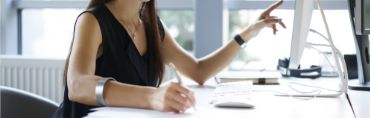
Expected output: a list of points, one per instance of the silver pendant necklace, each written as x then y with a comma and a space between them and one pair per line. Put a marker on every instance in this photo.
133, 32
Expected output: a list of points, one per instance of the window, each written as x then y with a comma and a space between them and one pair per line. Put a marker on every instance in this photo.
47, 26
180, 24
264, 50
47, 32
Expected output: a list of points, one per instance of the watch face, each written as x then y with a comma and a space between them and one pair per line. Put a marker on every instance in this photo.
239, 40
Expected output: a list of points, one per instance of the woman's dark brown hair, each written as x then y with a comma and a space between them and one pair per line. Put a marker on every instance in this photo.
149, 17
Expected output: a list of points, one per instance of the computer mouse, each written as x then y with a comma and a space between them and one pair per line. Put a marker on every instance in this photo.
233, 104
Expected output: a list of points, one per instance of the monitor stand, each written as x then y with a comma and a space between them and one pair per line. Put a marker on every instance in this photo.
363, 65
356, 85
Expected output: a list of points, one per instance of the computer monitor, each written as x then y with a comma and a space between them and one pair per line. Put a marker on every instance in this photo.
302, 21
301, 25
360, 19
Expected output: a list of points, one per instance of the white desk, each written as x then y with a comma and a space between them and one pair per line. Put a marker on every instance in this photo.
361, 103
267, 106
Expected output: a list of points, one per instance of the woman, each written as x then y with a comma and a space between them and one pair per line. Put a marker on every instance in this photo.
118, 54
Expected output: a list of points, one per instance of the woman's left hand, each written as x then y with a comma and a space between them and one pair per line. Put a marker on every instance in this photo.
264, 20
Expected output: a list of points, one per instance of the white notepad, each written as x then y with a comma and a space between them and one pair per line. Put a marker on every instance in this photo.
258, 77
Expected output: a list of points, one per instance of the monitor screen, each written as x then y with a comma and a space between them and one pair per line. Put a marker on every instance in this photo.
366, 15
362, 17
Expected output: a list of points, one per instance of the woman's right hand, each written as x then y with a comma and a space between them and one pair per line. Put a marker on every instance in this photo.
264, 20
172, 98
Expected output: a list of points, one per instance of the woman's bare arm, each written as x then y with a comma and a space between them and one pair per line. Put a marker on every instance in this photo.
202, 69
81, 80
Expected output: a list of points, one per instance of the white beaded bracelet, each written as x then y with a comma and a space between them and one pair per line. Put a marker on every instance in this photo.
99, 89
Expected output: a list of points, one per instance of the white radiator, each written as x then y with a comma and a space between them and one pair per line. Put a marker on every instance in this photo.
43, 77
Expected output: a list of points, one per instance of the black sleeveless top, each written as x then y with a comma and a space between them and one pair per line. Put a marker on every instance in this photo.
120, 59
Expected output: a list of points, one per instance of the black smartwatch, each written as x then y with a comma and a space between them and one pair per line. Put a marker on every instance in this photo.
240, 41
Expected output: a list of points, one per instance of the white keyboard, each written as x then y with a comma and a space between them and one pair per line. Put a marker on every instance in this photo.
232, 91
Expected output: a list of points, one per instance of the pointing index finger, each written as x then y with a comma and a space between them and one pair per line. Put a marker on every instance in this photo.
273, 6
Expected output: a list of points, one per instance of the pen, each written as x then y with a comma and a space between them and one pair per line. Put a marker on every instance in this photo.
179, 79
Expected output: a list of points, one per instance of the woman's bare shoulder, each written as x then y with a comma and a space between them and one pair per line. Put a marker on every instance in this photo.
87, 27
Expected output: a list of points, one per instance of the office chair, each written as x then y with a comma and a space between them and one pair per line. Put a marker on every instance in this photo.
16, 103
